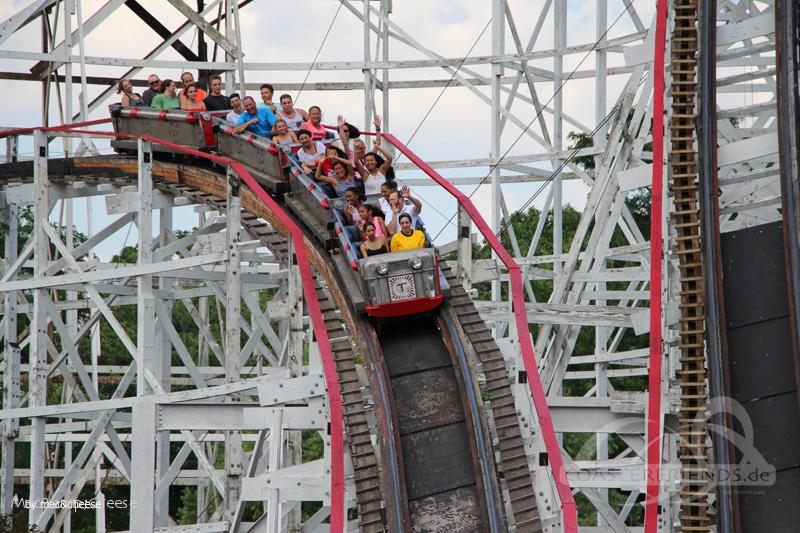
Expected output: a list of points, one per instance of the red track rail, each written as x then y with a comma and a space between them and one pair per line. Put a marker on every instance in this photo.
329, 367
521, 318
656, 258
307, 278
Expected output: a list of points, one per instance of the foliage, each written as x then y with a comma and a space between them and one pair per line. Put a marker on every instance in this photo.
187, 511
580, 140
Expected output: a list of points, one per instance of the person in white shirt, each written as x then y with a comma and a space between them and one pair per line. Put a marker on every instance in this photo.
387, 188
397, 200
237, 107
294, 116
374, 169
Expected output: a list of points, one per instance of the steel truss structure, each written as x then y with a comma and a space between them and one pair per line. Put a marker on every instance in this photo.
235, 410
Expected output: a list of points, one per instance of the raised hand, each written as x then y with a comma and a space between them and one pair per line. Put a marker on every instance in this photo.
406, 192
377, 122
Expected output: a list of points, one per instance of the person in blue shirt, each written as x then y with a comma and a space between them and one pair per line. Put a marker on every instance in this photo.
258, 121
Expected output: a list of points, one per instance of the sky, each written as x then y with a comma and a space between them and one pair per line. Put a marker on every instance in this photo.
459, 123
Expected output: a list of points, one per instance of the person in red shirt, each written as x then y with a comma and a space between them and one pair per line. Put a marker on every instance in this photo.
332, 154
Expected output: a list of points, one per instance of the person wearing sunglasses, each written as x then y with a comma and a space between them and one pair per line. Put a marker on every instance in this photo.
153, 88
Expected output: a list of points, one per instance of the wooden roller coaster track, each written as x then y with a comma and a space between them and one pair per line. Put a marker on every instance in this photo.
692, 428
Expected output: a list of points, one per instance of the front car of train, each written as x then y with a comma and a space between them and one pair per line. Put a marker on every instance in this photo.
401, 283
393, 284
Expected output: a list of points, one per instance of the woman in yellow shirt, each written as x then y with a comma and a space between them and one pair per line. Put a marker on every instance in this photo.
407, 238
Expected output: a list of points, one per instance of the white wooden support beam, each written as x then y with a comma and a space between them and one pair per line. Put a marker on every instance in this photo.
312, 416
172, 335
170, 249
233, 366
366, 72
11, 372
200, 318
144, 465
108, 274
294, 300
9, 26
204, 416
747, 149
525, 72
386, 9
76, 409
556, 313
744, 30
91, 242
291, 390
275, 461
261, 320
293, 359
559, 41
498, 48
231, 33
145, 305
300, 482
126, 202
59, 53
163, 367
38, 329
206, 28
162, 487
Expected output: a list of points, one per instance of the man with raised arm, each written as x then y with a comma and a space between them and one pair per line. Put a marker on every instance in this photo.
397, 200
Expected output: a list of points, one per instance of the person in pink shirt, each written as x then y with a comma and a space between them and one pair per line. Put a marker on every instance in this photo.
354, 202
370, 214
314, 124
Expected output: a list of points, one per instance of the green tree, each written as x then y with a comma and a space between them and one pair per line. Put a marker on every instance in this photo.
581, 140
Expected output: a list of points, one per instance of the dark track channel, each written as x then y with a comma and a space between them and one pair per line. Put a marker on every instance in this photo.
442, 487
762, 370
